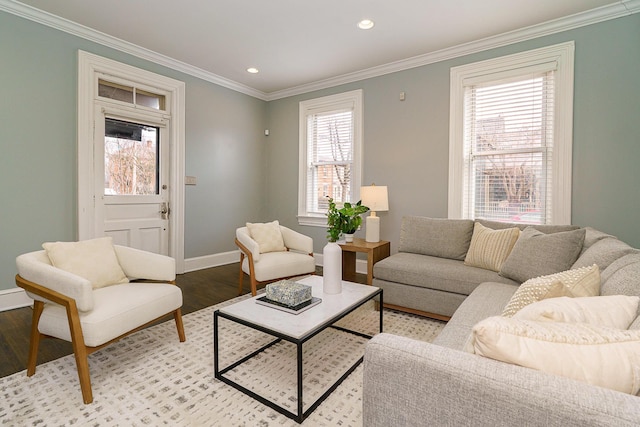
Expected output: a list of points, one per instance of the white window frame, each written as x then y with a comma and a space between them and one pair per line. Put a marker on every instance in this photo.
562, 56
92, 67
325, 104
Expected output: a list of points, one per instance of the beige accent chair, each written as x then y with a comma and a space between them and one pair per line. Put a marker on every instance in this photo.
264, 268
68, 307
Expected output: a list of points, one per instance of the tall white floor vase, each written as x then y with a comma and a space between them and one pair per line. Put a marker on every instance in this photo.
332, 268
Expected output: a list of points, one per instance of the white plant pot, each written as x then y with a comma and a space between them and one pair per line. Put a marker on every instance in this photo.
348, 238
332, 268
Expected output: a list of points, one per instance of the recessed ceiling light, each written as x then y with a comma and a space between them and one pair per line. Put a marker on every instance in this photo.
253, 70
366, 24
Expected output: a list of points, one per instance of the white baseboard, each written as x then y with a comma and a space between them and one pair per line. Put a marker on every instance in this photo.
208, 261
14, 298
216, 260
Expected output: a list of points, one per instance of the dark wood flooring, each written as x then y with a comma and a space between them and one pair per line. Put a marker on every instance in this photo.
200, 289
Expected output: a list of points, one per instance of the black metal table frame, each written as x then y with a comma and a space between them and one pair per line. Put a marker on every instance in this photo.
302, 414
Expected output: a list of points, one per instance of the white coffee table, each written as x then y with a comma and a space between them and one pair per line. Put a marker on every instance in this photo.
297, 329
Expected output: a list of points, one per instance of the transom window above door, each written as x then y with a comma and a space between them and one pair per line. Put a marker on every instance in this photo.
130, 95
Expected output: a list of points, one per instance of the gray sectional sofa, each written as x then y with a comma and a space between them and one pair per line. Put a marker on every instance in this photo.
413, 383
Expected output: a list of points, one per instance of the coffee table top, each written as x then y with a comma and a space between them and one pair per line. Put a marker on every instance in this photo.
300, 325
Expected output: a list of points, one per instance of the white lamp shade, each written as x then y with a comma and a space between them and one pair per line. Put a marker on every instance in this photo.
375, 197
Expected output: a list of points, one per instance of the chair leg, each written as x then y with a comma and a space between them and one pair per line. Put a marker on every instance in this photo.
177, 315
80, 352
254, 286
34, 341
241, 277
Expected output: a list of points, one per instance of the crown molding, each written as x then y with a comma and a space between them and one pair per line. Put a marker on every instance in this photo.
45, 18
593, 16
604, 13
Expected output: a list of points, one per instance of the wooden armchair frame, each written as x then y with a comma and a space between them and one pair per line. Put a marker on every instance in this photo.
80, 350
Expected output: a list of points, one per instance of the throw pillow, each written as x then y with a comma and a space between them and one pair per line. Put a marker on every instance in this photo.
581, 282
268, 236
489, 248
443, 238
94, 260
600, 356
537, 254
614, 311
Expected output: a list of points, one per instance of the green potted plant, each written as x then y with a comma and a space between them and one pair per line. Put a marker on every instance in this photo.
334, 222
345, 220
351, 218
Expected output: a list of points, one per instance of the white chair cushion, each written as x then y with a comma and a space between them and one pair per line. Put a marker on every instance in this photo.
94, 259
275, 265
118, 309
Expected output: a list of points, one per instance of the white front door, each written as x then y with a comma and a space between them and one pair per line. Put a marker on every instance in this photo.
131, 161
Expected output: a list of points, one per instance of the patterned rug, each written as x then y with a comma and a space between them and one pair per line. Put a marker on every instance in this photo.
150, 379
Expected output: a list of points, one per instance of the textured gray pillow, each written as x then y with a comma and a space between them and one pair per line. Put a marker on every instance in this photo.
537, 254
603, 252
622, 277
444, 238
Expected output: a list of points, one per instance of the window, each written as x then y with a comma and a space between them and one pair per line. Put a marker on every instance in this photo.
511, 138
330, 154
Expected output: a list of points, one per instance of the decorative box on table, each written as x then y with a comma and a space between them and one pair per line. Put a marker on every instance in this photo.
288, 292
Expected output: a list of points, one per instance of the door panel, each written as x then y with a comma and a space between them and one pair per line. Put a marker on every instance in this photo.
132, 196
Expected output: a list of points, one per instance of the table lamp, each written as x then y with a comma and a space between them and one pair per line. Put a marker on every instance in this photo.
376, 198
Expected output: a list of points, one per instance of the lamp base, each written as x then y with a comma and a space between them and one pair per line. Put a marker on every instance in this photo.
372, 232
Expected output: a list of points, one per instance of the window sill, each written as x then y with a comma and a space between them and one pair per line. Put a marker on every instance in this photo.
313, 221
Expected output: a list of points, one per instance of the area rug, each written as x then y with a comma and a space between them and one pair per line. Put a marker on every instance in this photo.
150, 379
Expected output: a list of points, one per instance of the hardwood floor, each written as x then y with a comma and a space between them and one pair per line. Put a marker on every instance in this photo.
200, 289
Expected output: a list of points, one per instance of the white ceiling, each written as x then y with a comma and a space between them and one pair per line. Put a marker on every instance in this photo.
296, 42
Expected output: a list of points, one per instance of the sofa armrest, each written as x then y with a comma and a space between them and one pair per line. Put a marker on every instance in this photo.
138, 264
410, 383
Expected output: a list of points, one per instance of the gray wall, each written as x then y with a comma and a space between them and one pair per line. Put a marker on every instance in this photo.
406, 143
225, 146
244, 176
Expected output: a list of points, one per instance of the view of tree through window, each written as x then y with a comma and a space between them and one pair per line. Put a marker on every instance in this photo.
330, 158
130, 158
508, 134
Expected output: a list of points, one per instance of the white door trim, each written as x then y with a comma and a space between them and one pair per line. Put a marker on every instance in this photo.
89, 66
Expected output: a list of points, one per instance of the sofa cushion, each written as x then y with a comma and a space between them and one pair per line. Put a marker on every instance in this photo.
537, 254
545, 228
435, 273
592, 236
489, 248
603, 252
622, 277
268, 236
600, 356
488, 299
612, 311
444, 238
94, 260
581, 282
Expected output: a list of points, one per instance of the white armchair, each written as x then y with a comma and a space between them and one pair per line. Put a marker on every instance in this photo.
297, 258
68, 307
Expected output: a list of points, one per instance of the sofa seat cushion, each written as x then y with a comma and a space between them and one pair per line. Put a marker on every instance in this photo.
435, 273
488, 299
117, 310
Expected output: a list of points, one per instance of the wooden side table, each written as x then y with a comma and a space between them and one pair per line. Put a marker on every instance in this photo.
375, 252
